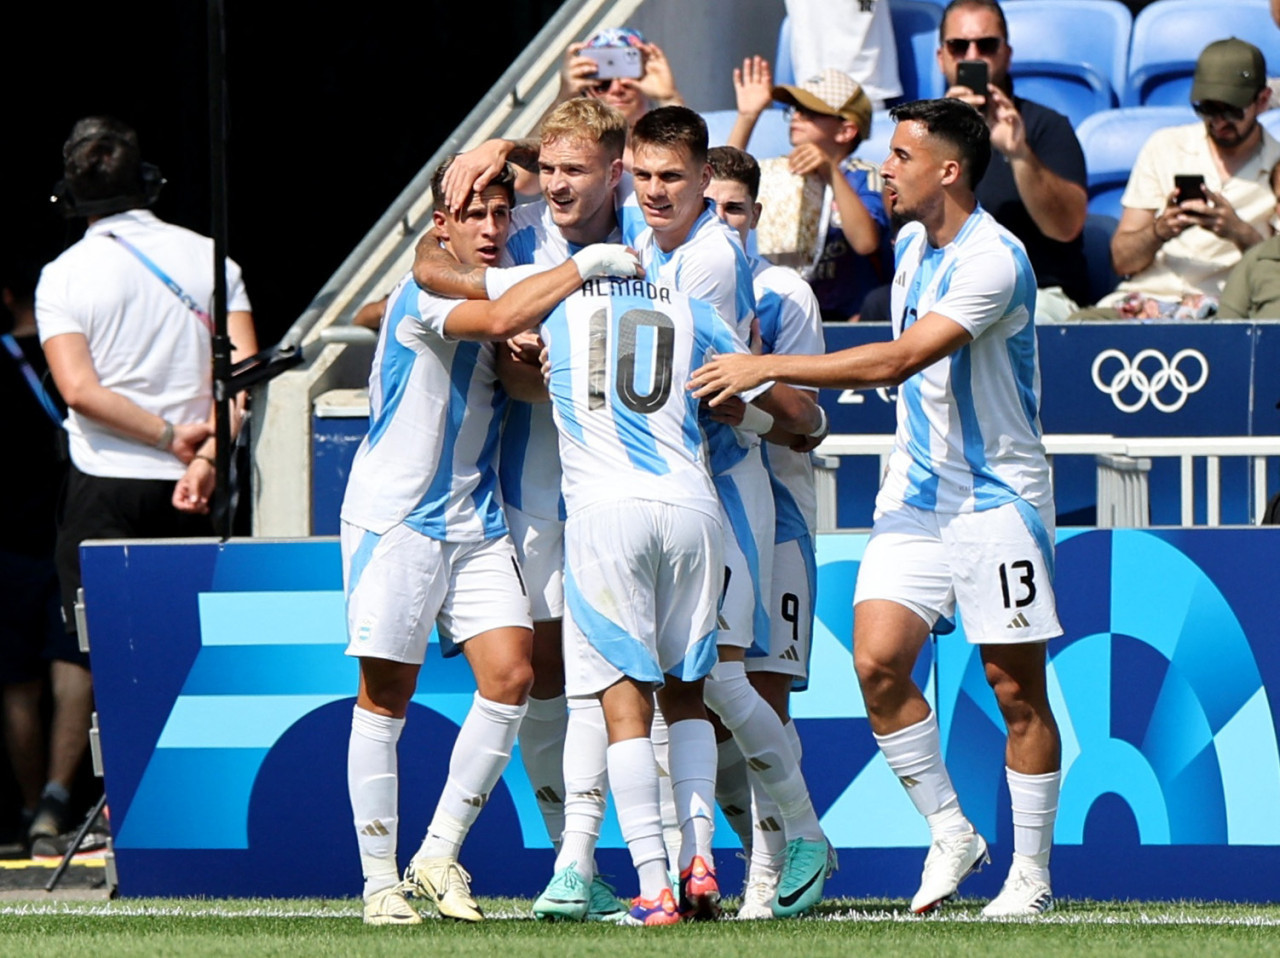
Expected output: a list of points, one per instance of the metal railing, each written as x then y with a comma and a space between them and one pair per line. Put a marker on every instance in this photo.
1123, 466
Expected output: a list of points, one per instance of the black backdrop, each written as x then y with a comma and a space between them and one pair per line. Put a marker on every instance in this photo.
330, 114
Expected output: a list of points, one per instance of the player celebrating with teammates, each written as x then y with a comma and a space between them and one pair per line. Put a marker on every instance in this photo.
424, 542
965, 513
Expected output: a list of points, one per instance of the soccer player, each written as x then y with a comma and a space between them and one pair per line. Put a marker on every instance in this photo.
579, 161
685, 244
424, 541
965, 513
790, 322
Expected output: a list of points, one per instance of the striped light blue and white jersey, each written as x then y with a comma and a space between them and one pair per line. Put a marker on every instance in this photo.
621, 353
968, 434
711, 266
434, 408
790, 324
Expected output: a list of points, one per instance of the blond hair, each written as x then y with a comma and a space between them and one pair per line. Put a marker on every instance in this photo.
584, 118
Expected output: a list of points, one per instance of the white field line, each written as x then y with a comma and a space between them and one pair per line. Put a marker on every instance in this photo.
350, 910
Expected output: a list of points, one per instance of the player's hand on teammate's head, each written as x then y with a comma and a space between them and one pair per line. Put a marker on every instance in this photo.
607, 259
471, 172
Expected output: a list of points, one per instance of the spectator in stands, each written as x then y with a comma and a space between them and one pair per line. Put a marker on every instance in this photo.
852, 36
1176, 250
1036, 188
829, 116
655, 87
122, 316
30, 626
1253, 286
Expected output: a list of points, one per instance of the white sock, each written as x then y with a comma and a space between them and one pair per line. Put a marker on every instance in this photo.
586, 744
733, 790
1035, 807
372, 780
661, 738
759, 733
633, 778
542, 754
793, 737
480, 754
915, 755
693, 781
769, 837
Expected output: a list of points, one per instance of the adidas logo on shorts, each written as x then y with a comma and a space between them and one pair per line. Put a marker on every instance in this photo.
1019, 622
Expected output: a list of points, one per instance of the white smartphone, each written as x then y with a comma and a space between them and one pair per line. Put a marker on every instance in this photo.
612, 62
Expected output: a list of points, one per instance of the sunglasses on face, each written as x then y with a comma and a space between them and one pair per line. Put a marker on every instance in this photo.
959, 46
1218, 111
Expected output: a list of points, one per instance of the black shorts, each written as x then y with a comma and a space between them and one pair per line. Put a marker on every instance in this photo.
30, 619
102, 507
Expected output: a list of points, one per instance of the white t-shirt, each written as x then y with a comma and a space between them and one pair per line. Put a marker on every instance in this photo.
434, 411
1196, 260
968, 435
853, 36
146, 344
791, 325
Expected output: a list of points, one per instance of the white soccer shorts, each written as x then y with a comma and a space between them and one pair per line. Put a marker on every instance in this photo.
642, 582
747, 513
540, 548
795, 580
400, 584
997, 565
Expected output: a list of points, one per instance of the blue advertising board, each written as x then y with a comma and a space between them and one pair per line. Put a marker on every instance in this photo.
224, 703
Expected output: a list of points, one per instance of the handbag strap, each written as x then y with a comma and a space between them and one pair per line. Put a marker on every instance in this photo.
168, 281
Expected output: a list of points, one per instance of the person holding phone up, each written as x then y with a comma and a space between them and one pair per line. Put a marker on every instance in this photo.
1175, 247
1035, 184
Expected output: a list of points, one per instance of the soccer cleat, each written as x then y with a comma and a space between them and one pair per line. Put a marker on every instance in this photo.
699, 891
446, 883
758, 896
805, 870
566, 897
603, 903
390, 907
1022, 896
950, 861
653, 911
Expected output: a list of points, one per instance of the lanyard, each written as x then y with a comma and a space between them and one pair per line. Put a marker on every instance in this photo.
32, 379
165, 278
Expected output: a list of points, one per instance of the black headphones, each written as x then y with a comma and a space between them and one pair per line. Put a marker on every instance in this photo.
152, 181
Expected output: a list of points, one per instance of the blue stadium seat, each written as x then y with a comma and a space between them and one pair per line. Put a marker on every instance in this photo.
784, 71
915, 33
875, 148
770, 137
1098, 230
1070, 55
1111, 140
1168, 36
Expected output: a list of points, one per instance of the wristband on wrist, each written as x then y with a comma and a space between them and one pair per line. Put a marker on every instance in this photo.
208, 459
823, 424
166, 437
755, 419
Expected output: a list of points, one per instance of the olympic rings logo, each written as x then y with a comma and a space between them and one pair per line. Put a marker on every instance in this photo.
1167, 374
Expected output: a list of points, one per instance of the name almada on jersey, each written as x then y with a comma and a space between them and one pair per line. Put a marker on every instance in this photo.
617, 286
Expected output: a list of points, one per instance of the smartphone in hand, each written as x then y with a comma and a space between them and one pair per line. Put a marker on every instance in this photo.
611, 62
1190, 186
974, 75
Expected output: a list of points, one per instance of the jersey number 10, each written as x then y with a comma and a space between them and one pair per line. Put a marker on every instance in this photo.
624, 372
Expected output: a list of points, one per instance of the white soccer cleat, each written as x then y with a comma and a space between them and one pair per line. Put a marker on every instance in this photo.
950, 861
446, 883
757, 897
389, 907
1024, 895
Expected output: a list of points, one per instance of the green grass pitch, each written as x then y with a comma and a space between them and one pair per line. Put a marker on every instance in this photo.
840, 927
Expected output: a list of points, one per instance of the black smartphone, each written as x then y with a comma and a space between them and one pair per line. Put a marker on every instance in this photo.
974, 75
1190, 186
